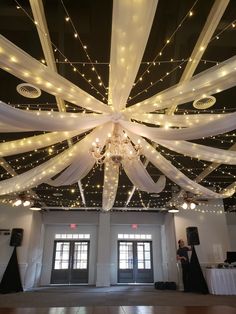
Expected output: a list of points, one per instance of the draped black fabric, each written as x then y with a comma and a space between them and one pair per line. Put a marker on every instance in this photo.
198, 283
11, 281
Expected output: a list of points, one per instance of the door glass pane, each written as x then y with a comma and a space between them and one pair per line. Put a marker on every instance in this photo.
80, 255
144, 255
61, 260
125, 255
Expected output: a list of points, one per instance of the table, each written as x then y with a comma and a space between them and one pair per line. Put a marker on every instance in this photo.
221, 280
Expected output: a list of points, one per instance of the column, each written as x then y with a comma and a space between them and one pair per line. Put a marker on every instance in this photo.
104, 251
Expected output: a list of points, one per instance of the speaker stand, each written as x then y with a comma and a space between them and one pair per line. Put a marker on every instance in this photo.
197, 280
11, 281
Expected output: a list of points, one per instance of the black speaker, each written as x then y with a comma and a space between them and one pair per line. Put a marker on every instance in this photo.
16, 236
192, 236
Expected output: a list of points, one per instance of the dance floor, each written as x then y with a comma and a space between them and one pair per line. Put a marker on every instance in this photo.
123, 310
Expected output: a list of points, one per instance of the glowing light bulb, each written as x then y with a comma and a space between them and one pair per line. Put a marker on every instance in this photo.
184, 205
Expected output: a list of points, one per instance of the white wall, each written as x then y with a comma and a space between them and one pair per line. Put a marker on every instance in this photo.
59, 222
20, 217
212, 229
148, 223
231, 222
214, 236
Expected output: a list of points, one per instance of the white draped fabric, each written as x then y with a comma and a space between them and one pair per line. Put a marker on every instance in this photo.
201, 152
32, 71
75, 172
175, 120
34, 142
38, 174
221, 281
138, 174
7, 128
211, 81
141, 179
110, 185
131, 24
83, 161
51, 167
49, 121
173, 173
222, 125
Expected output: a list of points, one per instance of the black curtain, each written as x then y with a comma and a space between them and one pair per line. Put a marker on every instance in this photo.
11, 281
197, 280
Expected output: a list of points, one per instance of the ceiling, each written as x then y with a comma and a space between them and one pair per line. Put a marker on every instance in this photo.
92, 20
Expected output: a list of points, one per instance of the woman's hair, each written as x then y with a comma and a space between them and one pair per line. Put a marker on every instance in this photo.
179, 242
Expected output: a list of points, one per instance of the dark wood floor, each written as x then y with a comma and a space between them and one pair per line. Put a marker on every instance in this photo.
123, 310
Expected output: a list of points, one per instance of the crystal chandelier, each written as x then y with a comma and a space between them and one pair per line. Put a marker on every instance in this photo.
116, 149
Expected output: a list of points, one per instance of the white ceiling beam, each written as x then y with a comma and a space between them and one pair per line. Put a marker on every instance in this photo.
210, 168
44, 36
208, 30
5, 165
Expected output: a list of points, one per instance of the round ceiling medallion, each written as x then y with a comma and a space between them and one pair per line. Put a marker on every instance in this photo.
204, 103
28, 90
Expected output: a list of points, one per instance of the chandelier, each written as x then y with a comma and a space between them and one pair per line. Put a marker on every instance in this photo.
117, 148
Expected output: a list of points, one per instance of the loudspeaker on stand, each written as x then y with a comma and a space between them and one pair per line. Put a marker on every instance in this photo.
16, 237
192, 236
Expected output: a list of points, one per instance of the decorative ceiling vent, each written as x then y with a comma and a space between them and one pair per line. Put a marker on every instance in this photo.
204, 103
28, 90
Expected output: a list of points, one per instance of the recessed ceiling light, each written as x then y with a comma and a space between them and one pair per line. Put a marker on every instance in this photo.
204, 103
28, 90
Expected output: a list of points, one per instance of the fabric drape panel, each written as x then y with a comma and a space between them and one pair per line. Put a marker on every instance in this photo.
38, 174
110, 185
34, 142
176, 120
75, 172
23, 66
83, 162
138, 174
201, 152
174, 174
7, 128
211, 81
131, 24
49, 121
48, 169
141, 179
220, 126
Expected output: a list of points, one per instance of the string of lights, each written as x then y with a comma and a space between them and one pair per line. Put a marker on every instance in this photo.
189, 171
56, 49
160, 52
152, 84
76, 35
154, 62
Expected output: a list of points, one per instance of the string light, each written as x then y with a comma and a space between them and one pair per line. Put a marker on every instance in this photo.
167, 42
76, 34
63, 56
145, 90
